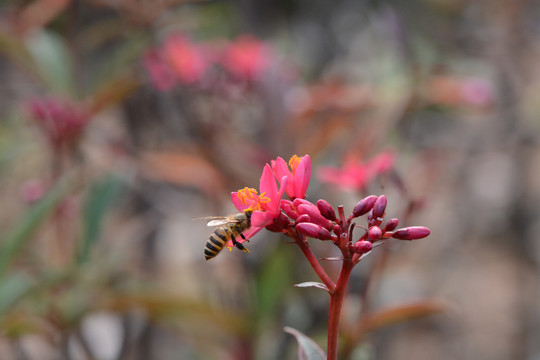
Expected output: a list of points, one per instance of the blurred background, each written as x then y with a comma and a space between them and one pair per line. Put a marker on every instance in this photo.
124, 121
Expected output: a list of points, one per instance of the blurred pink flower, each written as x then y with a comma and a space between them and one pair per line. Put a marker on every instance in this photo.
455, 91
185, 58
298, 176
33, 190
477, 92
266, 206
356, 175
61, 121
161, 74
247, 58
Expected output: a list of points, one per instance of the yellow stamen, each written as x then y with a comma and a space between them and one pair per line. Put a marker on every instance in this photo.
263, 199
249, 196
293, 163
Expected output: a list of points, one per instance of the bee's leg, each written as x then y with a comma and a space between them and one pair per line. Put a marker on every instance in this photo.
243, 237
239, 245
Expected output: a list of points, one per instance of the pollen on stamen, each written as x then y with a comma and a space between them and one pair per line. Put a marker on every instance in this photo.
263, 199
246, 194
249, 196
293, 162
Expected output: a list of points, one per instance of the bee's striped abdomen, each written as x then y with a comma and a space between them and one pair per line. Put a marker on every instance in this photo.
216, 242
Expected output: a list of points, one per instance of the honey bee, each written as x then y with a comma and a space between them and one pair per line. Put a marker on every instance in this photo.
229, 228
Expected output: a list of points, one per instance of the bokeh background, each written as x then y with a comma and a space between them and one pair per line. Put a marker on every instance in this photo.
123, 122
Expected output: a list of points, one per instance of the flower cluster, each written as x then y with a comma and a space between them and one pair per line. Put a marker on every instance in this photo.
61, 121
298, 218
180, 60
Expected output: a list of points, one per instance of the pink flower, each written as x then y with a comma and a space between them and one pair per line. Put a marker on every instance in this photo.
298, 176
33, 190
266, 206
355, 175
247, 58
61, 121
477, 92
185, 58
161, 74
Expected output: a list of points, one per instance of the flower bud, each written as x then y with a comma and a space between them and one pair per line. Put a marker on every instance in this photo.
364, 206
297, 202
374, 233
303, 218
281, 221
326, 209
314, 231
273, 228
362, 247
337, 229
289, 209
315, 215
379, 207
391, 225
411, 233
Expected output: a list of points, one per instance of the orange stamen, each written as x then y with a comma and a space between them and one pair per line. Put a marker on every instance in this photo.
249, 196
293, 163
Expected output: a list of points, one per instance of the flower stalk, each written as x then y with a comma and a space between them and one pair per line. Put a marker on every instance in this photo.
300, 219
336, 304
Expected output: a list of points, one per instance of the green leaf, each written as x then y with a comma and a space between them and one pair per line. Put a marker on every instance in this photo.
23, 231
100, 198
307, 348
53, 60
12, 289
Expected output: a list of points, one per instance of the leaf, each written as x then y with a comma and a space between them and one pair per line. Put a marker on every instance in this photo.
99, 200
21, 234
53, 60
183, 169
307, 348
334, 258
116, 68
39, 13
312, 284
401, 313
12, 289
113, 92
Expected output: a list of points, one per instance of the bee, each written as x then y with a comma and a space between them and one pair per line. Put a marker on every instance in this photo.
229, 228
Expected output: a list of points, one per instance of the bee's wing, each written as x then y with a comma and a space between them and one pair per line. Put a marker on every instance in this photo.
221, 221
218, 220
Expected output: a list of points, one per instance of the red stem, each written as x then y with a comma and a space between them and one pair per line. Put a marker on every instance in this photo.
303, 245
336, 303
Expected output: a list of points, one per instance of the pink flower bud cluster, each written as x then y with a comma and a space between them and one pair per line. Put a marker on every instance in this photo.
299, 218
375, 207
319, 221
61, 121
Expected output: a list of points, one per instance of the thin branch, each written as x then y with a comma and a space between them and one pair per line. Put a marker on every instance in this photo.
304, 246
